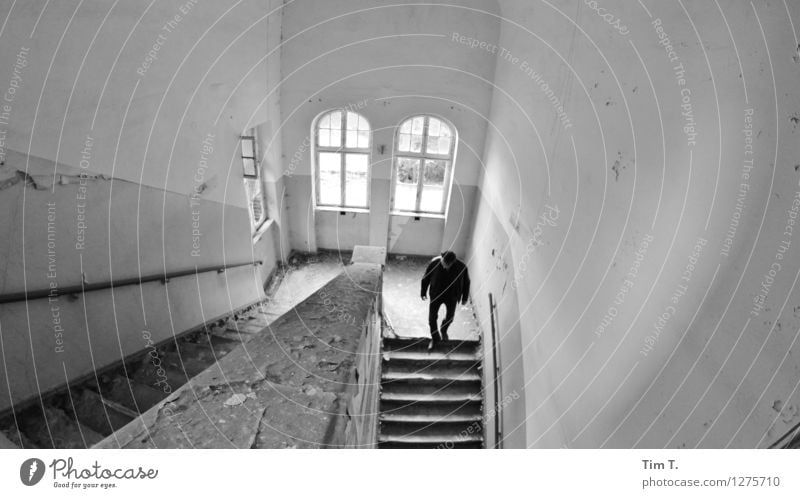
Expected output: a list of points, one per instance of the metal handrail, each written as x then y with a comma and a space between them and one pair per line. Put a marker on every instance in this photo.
80, 289
498, 431
794, 438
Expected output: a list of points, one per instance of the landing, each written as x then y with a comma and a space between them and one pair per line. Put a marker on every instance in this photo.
407, 313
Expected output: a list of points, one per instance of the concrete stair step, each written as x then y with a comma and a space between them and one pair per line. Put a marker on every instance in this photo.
403, 445
220, 345
431, 433
187, 364
101, 415
446, 367
431, 397
420, 345
408, 416
18, 438
54, 429
430, 356
239, 336
444, 430
420, 385
432, 409
132, 394
158, 373
431, 374
6, 443
244, 326
202, 349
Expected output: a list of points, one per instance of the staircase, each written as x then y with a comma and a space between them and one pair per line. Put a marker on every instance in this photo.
92, 410
431, 399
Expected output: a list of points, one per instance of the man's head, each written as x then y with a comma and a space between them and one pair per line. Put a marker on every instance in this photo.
448, 258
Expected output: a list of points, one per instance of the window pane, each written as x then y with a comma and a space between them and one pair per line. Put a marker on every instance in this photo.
405, 195
247, 148
325, 121
329, 130
444, 145
351, 138
324, 138
406, 127
330, 187
433, 145
249, 167
362, 124
356, 180
416, 125
336, 138
405, 142
433, 127
434, 172
352, 121
336, 120
363, 139
407, 170
432, 198
433, 186
416, 143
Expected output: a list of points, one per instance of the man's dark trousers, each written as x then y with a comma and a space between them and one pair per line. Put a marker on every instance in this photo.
433, 315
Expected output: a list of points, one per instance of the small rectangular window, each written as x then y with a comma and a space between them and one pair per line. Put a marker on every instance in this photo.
252, 181
249, 156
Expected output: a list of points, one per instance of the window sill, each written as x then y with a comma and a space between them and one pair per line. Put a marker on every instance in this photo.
344, 209
262, 229
411, 214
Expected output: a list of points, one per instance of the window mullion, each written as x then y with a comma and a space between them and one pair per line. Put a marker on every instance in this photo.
342, 169
342, 177
317, 175
422, 163
446, 186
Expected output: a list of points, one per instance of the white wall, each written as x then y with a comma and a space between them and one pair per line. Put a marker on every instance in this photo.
716, 374
388, 62
162, 167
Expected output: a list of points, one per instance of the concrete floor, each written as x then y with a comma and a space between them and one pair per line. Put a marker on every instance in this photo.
304, 274
286, 387
406, 312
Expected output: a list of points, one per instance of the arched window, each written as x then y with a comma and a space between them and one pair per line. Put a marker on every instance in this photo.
342, 160
423, 164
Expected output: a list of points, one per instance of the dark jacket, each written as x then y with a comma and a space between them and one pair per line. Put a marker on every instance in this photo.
446, 285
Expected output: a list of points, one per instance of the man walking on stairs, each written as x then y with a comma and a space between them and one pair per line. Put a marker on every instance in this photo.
448, 281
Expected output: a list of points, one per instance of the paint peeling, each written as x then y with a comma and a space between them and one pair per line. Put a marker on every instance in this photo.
41, 174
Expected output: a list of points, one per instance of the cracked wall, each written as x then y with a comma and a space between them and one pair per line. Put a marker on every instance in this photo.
120, 151
648, 313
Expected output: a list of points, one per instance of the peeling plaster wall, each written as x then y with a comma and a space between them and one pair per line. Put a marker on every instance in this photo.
387, 62
89, 106
598, 369
48, 341
148, 122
